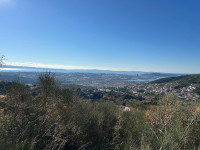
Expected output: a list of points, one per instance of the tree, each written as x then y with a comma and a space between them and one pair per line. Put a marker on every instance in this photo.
2, 58
47, 85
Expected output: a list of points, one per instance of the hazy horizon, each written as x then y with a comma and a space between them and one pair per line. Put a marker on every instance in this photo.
58, 68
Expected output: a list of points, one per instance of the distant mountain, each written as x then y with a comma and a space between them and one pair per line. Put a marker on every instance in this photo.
34, 69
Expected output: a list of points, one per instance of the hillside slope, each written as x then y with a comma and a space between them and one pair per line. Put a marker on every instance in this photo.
190, 79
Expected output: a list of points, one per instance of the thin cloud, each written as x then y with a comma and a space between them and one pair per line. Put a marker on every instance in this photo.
54, 66
11, 69
66, 67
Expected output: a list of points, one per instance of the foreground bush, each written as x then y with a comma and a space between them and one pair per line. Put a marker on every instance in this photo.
58, 119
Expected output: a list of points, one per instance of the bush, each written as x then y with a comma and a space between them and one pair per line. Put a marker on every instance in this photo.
129, 130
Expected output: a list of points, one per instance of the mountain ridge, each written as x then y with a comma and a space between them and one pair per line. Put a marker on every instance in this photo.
37, 69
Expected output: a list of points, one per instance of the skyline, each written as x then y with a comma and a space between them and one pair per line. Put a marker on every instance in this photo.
156, 36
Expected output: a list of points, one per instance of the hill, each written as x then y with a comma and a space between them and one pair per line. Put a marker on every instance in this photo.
187, 79
57, 118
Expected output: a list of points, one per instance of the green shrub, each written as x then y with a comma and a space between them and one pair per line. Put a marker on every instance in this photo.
129, 130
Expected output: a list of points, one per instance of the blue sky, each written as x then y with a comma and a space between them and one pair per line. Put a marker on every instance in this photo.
140, 35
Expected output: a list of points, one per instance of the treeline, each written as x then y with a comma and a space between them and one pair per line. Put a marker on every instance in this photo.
58, 119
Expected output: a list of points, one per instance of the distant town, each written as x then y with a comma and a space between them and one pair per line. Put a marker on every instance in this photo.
114, 87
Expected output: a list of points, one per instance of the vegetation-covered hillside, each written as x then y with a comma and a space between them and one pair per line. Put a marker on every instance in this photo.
190, 79
58, 119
